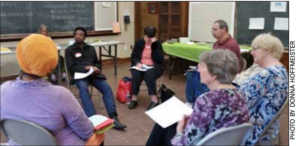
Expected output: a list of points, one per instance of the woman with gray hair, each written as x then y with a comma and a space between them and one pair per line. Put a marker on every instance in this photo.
267, 91
222, 106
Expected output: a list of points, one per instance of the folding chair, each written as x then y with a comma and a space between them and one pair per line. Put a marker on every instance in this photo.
233, 136
71, 86
159, 82
26, 133
244, 64
274, 140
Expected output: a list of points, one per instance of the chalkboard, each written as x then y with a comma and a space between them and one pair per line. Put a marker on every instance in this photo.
246, 10
26, 17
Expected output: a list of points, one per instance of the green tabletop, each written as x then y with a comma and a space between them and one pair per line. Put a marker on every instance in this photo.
190, 52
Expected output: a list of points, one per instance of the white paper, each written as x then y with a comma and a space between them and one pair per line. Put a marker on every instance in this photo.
78, 75
106, 4
144, 67
192, 67
169, 112
71, 42
5, 51
278, 7
58, 47
97, 119
281, 23
244, 50
190, 43
257, 23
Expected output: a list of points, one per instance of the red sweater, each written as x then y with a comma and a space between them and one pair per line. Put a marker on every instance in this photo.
232, 45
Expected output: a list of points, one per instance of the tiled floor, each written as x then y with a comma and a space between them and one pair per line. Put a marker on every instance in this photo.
139, 124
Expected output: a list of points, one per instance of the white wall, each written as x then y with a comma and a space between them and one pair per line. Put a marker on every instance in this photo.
203, 14
9, 64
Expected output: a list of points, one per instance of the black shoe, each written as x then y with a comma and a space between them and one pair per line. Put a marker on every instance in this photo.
152, 105
118, 125
132, 104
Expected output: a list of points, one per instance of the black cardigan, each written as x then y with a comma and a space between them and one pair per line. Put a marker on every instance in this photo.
157, 54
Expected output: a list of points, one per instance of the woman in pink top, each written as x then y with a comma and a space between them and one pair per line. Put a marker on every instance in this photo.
146, 52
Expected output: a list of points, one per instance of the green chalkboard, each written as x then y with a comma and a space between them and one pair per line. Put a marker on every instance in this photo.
26, 17
246, 10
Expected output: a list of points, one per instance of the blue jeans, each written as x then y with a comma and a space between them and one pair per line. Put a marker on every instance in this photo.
194, 88
104, 88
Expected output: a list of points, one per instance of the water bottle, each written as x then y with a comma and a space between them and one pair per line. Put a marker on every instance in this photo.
128, 98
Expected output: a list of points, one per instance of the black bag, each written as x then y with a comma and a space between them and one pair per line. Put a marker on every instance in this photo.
165, 93
160, 135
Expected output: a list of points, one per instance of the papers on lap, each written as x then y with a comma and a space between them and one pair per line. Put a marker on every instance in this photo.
144, 67
169, 112
101, 123
78, 75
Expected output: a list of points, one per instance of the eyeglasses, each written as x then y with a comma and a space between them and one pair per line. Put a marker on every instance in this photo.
256, 48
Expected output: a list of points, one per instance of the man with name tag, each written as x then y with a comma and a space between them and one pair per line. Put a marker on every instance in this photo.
80, 58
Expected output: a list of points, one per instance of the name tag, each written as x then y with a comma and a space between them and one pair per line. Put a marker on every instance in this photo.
78, 55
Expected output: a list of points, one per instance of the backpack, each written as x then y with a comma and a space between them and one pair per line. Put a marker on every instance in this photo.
123, 88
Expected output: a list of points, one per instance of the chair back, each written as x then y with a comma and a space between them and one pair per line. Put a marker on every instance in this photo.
69, 78
26, 133
159, 82
233, 136
244, 64
263, 134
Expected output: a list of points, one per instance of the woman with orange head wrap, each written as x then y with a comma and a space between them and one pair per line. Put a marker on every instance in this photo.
38, 101
37, 55
52, 76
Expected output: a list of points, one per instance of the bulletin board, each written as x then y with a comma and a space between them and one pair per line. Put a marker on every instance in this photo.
247, 10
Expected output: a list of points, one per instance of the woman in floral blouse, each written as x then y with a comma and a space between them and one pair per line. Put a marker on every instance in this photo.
223, 106
266, 91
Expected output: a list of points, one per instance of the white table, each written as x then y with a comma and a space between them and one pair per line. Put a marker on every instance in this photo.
59, 48
101, 45
109, 44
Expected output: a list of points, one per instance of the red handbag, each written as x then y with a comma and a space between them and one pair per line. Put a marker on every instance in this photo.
124, 87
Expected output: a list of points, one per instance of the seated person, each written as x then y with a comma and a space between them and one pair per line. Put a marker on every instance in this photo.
266, 91
194, 88
223, 106
248, 73
43, 30
146, 51
81, 57
52, 77
33, 99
